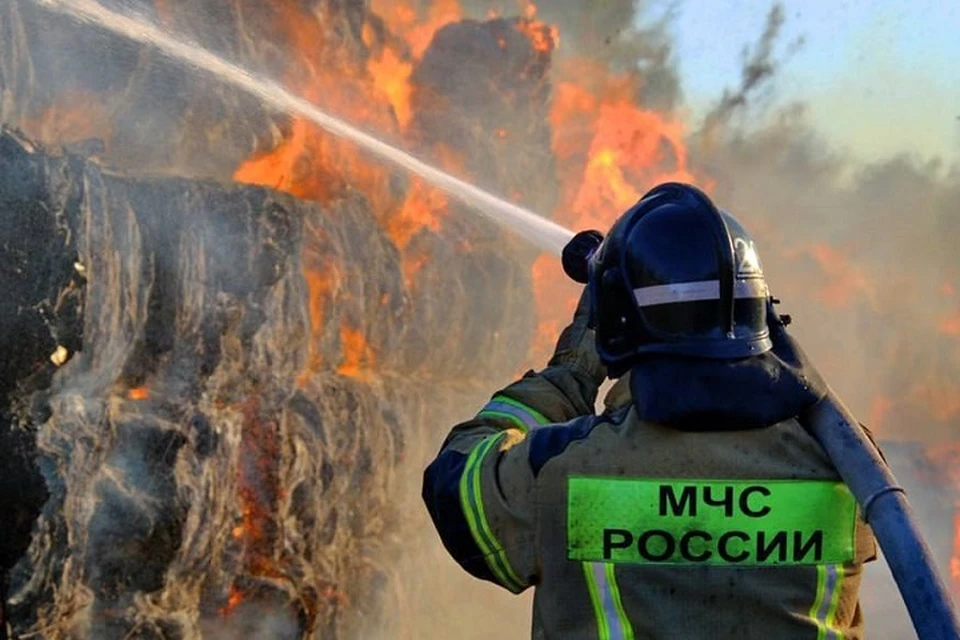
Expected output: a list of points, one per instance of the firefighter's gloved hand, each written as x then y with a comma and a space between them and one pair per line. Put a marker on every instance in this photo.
577, 348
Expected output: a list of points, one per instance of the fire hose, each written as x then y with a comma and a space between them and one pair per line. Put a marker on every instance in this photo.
884, 506
883, 502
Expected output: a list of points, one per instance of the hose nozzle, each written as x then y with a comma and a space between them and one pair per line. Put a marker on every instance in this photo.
576, 254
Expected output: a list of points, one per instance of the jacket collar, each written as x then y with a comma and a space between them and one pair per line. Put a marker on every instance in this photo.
718, 395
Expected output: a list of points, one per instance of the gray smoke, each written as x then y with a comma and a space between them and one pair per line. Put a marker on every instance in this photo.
862, 255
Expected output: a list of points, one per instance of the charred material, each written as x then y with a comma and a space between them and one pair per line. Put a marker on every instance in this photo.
228, 390
202, 472
40, 325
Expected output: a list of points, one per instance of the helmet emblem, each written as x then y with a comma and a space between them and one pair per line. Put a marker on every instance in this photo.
748, 262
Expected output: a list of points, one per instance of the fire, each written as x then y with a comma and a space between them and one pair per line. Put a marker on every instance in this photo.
374, 93
322, 279
555, 299
258, 496
138, 393
609, 151
233, 601
948, 457
544, 38
424, 207
308, 162
416, 28
392, 75
358, 358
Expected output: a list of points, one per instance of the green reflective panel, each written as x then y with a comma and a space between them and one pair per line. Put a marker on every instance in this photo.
716, 522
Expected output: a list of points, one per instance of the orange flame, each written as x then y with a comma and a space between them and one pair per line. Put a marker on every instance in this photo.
309, 162
609, 151
392, 76
358, 358
313, 165
323, 279
544, 38
423, 209
417, 28
138, 393
258, 496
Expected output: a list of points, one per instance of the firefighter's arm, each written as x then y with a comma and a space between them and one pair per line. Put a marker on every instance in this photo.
479, 492
566, 389
480, 489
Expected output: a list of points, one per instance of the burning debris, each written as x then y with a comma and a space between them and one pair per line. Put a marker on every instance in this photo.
219, 439
227, 391
191, 464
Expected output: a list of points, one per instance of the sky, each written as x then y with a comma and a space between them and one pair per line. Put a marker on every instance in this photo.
879, 77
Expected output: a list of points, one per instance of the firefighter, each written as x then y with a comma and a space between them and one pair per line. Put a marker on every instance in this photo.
695, 505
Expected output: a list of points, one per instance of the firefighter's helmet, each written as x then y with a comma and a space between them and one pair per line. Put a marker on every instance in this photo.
675, 275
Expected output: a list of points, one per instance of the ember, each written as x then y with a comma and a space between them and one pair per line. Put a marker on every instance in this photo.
233, 392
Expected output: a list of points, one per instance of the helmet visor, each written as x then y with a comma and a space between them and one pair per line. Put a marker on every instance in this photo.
693, 309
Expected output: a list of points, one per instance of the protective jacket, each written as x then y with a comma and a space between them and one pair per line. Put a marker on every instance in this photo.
689, 511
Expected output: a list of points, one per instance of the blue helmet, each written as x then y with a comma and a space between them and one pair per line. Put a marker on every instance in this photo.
675, 275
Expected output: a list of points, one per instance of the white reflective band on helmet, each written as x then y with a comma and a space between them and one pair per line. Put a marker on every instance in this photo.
696, 291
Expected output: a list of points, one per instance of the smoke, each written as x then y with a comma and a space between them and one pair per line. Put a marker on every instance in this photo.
863, 256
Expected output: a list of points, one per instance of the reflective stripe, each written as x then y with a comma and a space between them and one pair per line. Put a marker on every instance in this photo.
832, 632
696, 291
471, 500
612, 621
625, 625
524, 417
603, 626
824, 609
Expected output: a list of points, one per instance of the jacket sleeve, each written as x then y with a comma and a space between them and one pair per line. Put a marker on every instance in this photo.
480, 490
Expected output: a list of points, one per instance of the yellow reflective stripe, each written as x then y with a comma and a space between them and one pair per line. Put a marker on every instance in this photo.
824, 609
490, 413
625, 627
818, 600
832, 632
522, 415
471, 501
603, 627
612, 621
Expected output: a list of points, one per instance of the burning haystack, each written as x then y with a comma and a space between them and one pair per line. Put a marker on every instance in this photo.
231, 339
222, 381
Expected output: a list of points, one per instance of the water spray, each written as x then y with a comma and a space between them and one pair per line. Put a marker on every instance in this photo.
540, 231
882, 501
